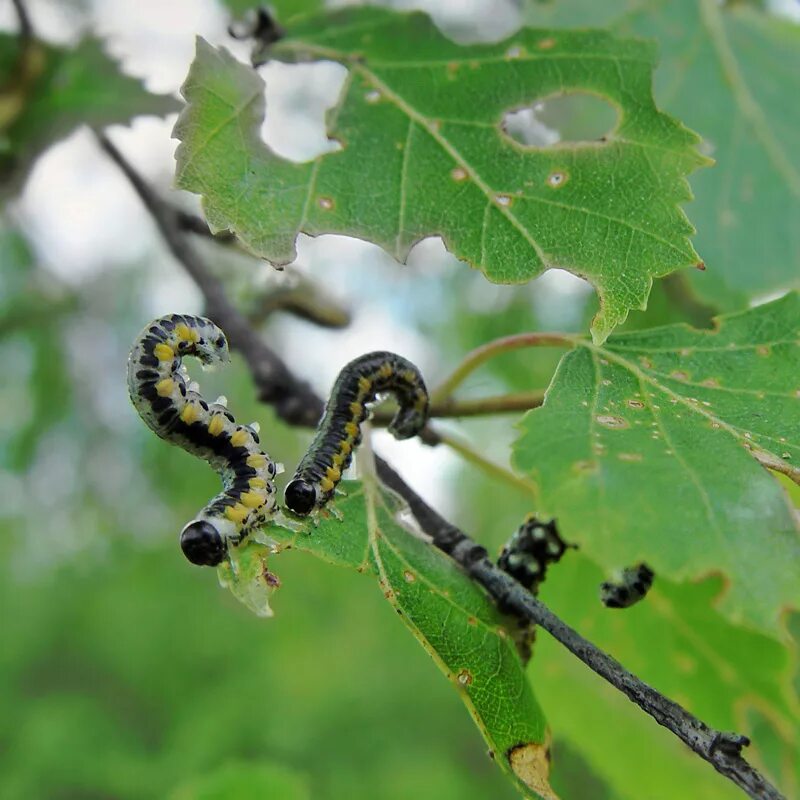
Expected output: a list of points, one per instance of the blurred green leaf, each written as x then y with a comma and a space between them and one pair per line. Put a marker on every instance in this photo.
238, 780
648, 449
424, 153
450, 616
47, 91
728, 70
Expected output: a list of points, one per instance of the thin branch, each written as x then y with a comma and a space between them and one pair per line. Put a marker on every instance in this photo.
296, 403
721, 749
478, 407
482, 354
25, 27
294, 400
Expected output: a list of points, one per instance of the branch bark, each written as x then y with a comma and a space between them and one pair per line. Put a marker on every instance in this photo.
297, 404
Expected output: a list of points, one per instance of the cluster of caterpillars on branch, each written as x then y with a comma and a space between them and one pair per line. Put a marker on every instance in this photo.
172, 407
536, 545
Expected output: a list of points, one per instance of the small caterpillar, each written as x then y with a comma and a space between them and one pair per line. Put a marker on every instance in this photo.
339, 431
633, 585
532, 548
174, 410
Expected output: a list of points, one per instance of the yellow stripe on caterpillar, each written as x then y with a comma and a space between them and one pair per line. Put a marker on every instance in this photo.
333, 474
217, 425
186, 333
240, 437
165, 387
256, 460
163, 352
258, 483
252, 499
236, 513
190, 413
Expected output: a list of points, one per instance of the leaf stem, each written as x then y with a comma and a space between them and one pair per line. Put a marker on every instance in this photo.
478, 407
485, 352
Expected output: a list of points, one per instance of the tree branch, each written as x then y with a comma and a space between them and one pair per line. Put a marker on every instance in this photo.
297, 404
25, 28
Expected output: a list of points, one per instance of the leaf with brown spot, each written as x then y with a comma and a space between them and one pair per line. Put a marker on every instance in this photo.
424, 153
682, 426
448, 613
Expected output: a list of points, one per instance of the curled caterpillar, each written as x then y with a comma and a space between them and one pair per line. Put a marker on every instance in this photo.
532, 548
633, 585
339, 431
172, 407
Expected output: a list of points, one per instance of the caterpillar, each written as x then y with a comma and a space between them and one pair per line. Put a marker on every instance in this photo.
172, 407
532, 548
339, 431
633, 585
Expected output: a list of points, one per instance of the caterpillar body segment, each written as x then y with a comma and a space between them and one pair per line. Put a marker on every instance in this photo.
174, 409
339, 432
533, 547
634, 584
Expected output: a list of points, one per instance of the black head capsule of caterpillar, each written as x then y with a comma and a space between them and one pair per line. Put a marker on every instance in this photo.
300, 497
359, 384
202, 544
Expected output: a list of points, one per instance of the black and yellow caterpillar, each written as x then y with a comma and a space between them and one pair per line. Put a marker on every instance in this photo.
530, 551
339, 431
634, 584
172, 407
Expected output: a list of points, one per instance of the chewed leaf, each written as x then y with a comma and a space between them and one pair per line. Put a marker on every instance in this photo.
246, 574
424, 152
450, 616
653, 447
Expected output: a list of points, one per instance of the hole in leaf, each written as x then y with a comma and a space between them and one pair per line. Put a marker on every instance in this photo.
298, 96
574, 117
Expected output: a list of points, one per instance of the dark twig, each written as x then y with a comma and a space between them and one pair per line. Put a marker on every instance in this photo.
294, 400
25, 27
722, 750
297, 404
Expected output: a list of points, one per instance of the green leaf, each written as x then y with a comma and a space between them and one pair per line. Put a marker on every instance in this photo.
731, 71
424, 153
239, 779
450, 616
677, 642
48, 91
649, 449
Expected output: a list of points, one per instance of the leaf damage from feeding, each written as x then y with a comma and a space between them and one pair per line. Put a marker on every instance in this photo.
448, 614
678, 425
420, 120
530, 762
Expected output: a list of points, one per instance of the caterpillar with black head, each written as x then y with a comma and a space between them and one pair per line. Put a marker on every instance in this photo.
172, 407
634, 584
532, 548
339, 431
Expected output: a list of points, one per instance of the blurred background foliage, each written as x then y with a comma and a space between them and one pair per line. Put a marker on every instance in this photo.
126, 673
